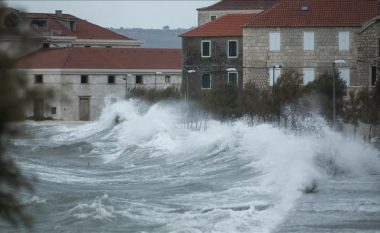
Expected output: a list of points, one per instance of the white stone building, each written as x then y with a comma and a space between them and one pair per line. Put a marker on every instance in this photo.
82, 78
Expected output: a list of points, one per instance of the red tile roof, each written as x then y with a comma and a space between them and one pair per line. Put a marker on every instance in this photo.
102, 58
228, 25
320, 13
239, 5
84, 29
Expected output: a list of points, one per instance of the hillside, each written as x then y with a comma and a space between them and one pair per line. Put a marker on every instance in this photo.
154, 38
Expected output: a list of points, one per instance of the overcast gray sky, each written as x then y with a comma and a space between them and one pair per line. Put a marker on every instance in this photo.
144, 14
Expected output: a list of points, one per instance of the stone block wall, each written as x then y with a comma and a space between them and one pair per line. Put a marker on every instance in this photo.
258, 57
368, 53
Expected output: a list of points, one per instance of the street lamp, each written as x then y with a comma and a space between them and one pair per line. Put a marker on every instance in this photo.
187, 83
155, 79
126, 84
334, 102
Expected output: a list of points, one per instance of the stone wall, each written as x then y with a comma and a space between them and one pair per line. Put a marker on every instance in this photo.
258, 58
216, 65
368, 52
205, 16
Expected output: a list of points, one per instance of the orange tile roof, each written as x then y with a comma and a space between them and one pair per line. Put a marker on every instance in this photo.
228, 25
320, 13
102, 58
84, 29
239, 5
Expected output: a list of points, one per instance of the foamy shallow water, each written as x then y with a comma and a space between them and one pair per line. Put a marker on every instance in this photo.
150, 174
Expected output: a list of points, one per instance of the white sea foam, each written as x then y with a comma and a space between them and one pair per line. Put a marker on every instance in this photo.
286, 163
96, 210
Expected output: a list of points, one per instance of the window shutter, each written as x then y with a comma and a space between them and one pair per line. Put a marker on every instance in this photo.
277, 75
344, 41
308, 40
308, 75
274, 41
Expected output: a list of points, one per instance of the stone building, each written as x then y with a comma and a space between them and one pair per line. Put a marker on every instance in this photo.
368, 46
309, 36
82, 78
215, 52
224, 7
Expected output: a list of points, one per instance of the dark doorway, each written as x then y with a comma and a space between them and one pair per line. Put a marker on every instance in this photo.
38, 109
84, 108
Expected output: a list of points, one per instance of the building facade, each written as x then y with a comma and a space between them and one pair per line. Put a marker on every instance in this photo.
213, 54
309, 36
368, 45
82, 79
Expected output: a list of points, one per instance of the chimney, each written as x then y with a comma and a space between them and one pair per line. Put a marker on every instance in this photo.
305, 7
58, 12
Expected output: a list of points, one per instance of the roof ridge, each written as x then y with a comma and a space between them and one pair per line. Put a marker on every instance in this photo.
264, 12
215, 21
105, 29
210, 5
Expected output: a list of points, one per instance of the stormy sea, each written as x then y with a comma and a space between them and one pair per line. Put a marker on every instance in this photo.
143, 170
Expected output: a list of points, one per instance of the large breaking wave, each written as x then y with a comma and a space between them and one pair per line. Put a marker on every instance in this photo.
147, 169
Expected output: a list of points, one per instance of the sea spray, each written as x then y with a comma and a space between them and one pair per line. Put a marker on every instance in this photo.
163, 177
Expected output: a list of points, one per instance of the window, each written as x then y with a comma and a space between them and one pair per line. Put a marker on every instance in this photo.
308, 75
84, 79
344, 41
232, 48
233, 78
38, 78
212, 17
206, 48
344, 73
206, 81
276, 72
53, 110
308, 41
167, 79
111, 79
139, 79
274, 41
373, 75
